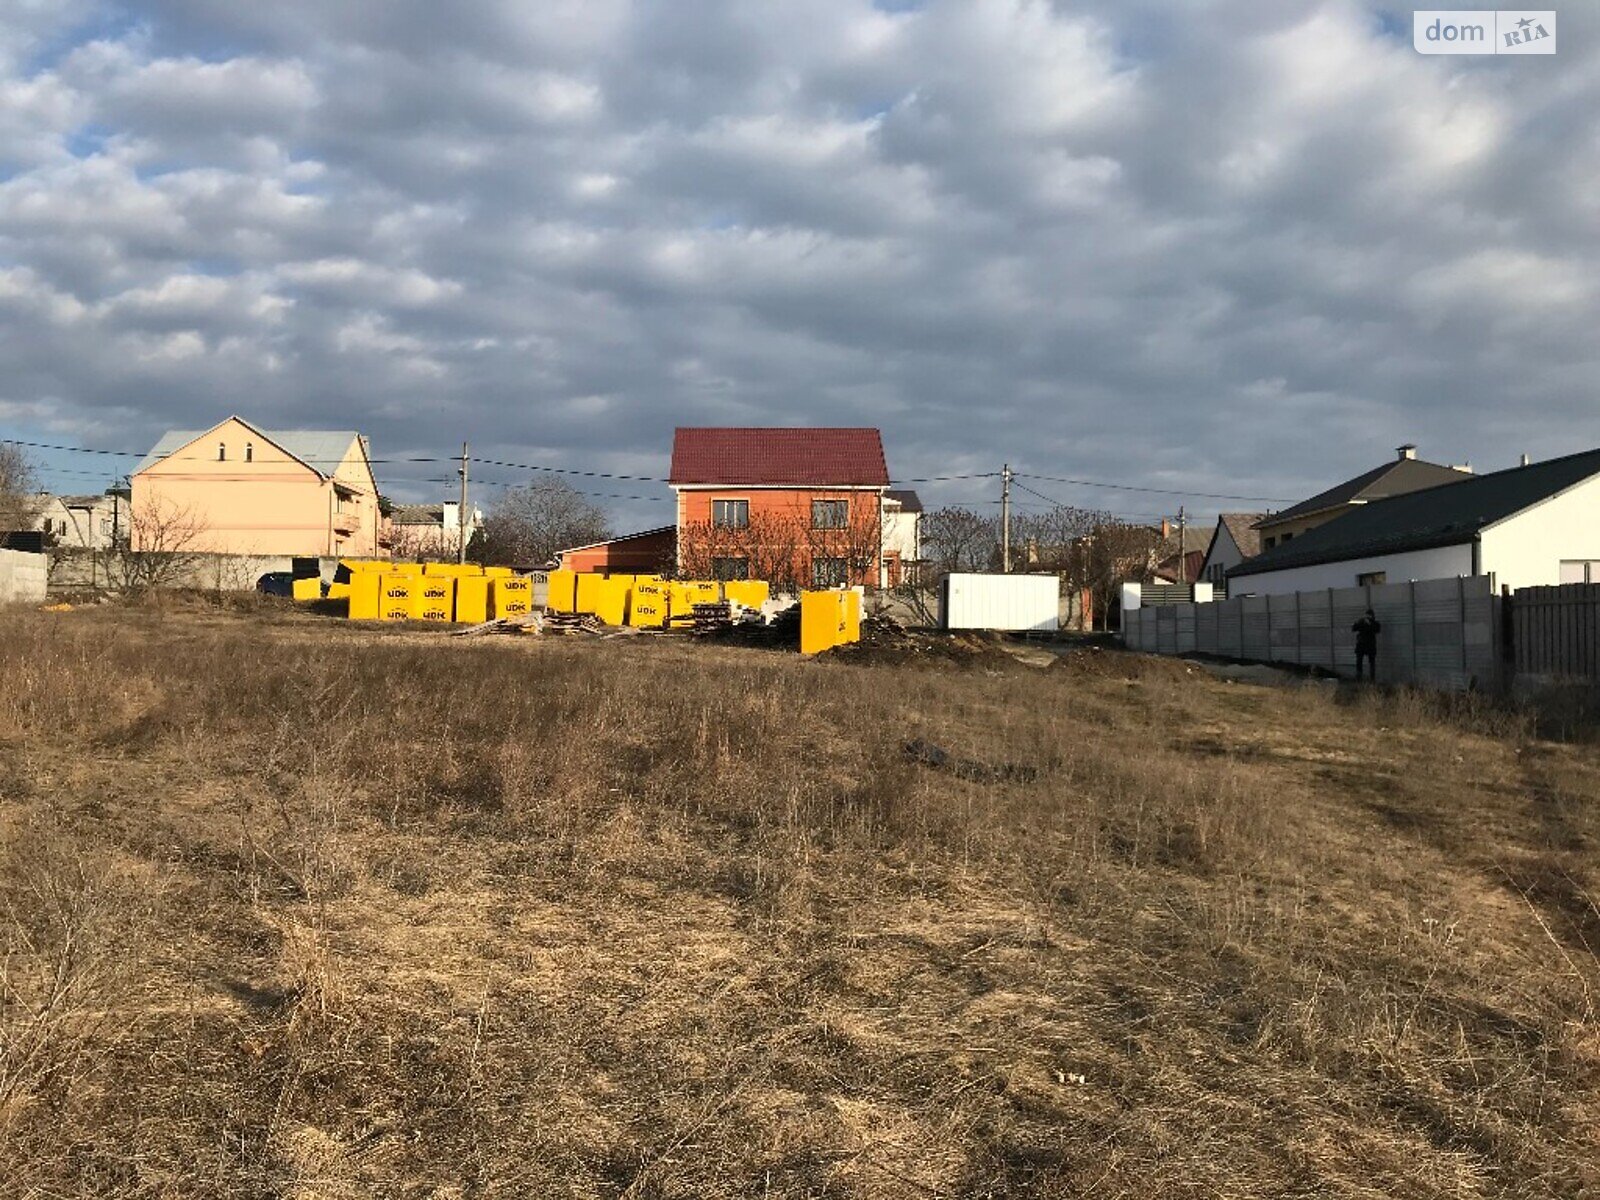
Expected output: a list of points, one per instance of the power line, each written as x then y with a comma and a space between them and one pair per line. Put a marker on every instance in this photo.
1128, 487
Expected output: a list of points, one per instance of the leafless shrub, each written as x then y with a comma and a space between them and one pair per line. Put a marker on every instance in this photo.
161, 549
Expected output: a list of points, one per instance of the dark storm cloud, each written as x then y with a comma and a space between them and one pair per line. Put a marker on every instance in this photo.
1235, 248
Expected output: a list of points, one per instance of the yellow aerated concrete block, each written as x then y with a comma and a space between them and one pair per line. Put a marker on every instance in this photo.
395, 596
561, 594
308, 589
648, 605
366, 590
686, 593
499, 572
588, 592
752, 593
472, 600
851, 630
452, 570
408, 569
434, 598
510, 597
338, 591
823, 621
611, 601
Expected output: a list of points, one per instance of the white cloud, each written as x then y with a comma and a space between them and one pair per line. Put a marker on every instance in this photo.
1223, 245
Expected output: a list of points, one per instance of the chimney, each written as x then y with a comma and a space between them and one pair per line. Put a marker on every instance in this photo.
1166, 528
1409, 450
1525, 461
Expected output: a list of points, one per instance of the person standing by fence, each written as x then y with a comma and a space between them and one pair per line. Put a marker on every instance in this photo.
1366, 630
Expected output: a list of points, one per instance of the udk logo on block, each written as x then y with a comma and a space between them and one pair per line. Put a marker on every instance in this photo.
1484, 31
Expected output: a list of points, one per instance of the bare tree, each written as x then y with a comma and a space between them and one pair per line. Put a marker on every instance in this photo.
529, 524
160, 549
19, 504
958, 539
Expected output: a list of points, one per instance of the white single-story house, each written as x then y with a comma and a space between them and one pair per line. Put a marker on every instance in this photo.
1531, 525
1234, 540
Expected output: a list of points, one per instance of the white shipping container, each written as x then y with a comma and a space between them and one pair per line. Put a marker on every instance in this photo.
1011, 602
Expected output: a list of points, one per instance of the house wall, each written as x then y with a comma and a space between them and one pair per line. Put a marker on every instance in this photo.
1443, 562
83, 527
1293, 529
902, 543
1224, 553
1525, 550
630, 555
272, 505
783, 515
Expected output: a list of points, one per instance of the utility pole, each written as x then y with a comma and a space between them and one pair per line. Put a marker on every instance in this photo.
1183, 556
1005, 518
461, 513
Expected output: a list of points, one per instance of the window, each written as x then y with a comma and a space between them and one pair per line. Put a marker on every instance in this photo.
730, 568
828, 572
1270, 542
730, 514
1372, 577
249, 452
1217, 572
105, 526
222, 451
1288, 537
830, 514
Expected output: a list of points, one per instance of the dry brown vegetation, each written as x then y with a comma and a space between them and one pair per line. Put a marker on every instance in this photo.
293, 909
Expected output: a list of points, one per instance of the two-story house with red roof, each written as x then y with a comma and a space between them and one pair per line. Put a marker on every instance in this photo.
801, 508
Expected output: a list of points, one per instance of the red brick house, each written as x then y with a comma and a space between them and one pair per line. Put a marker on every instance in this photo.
646, 553
802, 508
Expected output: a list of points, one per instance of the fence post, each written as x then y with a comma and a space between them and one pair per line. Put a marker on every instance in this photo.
1333, 644
1461, 606
1416, 665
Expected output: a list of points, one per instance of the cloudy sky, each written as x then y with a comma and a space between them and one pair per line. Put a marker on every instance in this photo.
1236, 247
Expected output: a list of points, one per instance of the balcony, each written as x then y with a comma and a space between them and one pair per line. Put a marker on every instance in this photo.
347, 521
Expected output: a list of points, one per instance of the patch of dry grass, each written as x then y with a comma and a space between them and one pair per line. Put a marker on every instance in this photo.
291, 908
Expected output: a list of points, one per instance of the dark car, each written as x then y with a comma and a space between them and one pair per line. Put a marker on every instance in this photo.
276, 583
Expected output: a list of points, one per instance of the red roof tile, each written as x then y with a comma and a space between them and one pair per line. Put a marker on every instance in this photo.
798, 457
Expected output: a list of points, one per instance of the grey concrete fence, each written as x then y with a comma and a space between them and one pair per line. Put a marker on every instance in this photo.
1443, 633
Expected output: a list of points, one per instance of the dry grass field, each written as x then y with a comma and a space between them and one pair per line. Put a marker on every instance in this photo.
290, 908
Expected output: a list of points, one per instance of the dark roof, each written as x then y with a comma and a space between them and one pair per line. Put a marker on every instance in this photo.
909, 501
624, 537
778, 457
1447, 515
417, 514
1390, 479
1242, 528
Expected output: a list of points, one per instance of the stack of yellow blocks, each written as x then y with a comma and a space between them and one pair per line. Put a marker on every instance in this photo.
751, 593
611, 599
648, 605
510, 596
397, 596
561, 592
829, 619
433, 598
